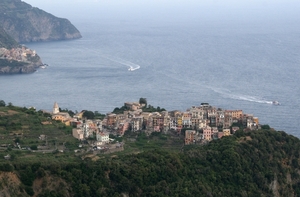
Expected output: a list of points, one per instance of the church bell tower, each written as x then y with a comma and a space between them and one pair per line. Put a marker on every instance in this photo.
55, 108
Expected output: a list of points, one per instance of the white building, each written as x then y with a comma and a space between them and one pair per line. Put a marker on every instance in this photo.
102, 137
55, 108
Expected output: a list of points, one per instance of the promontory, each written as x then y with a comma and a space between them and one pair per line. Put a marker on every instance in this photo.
22, 23
30, 24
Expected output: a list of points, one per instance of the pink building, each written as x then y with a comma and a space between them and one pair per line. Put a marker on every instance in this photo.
122, 128
220, 135
207, 133
189, 137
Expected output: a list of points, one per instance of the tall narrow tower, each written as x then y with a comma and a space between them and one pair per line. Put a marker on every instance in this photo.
55, 108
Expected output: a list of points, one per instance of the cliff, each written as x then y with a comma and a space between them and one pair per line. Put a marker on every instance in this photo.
29, 24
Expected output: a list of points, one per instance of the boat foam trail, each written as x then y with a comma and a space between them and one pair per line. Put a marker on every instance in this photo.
229, 94
132, 66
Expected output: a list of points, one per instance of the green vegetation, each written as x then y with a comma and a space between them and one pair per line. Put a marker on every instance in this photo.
31, 58
150, 108
265, 127
70, 112
247, 164
143, 101
121, 110
257, 163
2, 103
93, 115
88, 114
138, 142
146, 108
24, 126
99, 115
6, 41
11, 63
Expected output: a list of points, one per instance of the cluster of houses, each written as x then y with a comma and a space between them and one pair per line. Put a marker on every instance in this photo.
201, 123
82, 128
19, 54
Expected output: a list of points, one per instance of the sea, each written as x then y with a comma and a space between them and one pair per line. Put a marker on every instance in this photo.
174, 65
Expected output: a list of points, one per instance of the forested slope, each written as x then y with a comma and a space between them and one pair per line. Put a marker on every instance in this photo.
258, 163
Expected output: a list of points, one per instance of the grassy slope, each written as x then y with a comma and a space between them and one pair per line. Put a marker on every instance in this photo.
24, 126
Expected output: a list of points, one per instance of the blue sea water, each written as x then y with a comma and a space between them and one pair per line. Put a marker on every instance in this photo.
229, 65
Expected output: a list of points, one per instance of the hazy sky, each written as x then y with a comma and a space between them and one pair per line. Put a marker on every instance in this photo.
172, 9
166, 3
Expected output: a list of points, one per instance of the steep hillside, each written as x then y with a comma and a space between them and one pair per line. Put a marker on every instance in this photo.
29, 24
259, 163
10, 185
6, 41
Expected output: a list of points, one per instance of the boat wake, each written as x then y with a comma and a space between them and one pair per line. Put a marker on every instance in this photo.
228, 94
131, 66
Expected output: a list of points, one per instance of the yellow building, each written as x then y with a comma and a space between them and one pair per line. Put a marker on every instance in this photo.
79, 115
235, 114
60, 116
226, 132
255, 119
179, 120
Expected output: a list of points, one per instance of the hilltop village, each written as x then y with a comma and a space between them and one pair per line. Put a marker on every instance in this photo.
198, 124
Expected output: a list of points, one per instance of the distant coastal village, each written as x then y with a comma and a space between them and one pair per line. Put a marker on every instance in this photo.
198, 124
19, 54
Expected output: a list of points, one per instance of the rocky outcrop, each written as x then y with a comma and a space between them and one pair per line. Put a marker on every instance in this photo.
19, 60
10, 185
29, 24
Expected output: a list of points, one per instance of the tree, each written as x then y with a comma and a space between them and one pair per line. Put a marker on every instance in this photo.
17, 140
70, 112
120, 110
33, 147
2, 103
99, 115
265, 126
88, 114
143, 101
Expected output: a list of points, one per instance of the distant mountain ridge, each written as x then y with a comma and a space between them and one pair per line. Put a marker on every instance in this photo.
29, 24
